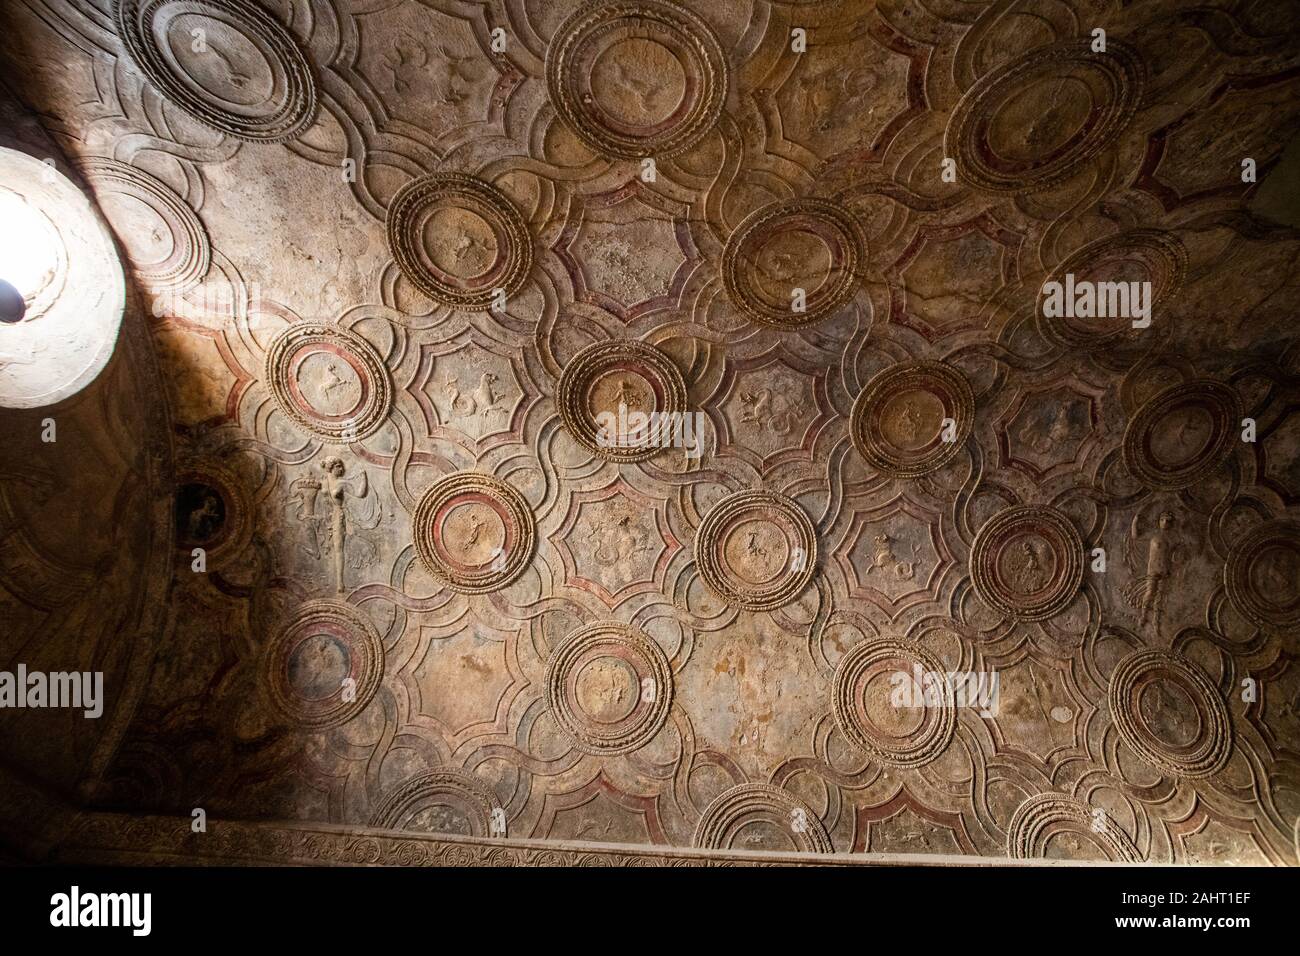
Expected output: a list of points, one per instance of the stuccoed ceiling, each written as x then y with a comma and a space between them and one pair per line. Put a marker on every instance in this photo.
394, 256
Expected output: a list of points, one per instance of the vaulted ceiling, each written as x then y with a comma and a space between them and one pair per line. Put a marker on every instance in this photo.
392, 259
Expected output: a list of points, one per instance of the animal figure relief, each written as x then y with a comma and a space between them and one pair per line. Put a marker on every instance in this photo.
1059, 431
760, 410
884, 560
237, 80
827, 95
460, 76
476, 411
618, 542
642, 85
400, 59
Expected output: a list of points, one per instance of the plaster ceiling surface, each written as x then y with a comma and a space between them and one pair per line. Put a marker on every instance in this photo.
395, 257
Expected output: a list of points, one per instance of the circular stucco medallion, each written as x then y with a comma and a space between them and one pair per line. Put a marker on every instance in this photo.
1049, 825
898, 420
1262, 575
324, 665
792, 263
610, 393
1182, 434
473, 532
229, 64
441, 801
1140, 255
756, 550
459, 239
894, 703
1027, 562
609, 688
1035, 121
164, 240
1170, 713
636, 79
760, 816
329, 381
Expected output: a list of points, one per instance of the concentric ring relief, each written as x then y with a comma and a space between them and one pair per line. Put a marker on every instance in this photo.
609, 392
324, 665
1027, 562
1171, 713
458, 239
638, 78
329, 381
1048, 825
1182, 434
439, 801
888, 708
609, 688
898, 420
756, 550
230, 65
759, 815
473, 532
1038, 119
1141, 255
792, 263
1262, 575
164, 239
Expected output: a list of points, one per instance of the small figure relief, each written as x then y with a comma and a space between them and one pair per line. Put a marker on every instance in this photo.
200, 513
407, 59
1191, 435
753, 548
642, 85
1159, 712
473, 533
478, 413
237, 80
442, 819
786, 267
467, 245
914, 838
765, 411
1148, 592
885, 561
595, 829
330, 531
1028, 572
618, 542
829, 94
627, 394
1049, 128
908, 421
1058, 433
332, 381
461, 75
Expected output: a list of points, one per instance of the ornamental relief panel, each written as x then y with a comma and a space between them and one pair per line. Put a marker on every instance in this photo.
639, 422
